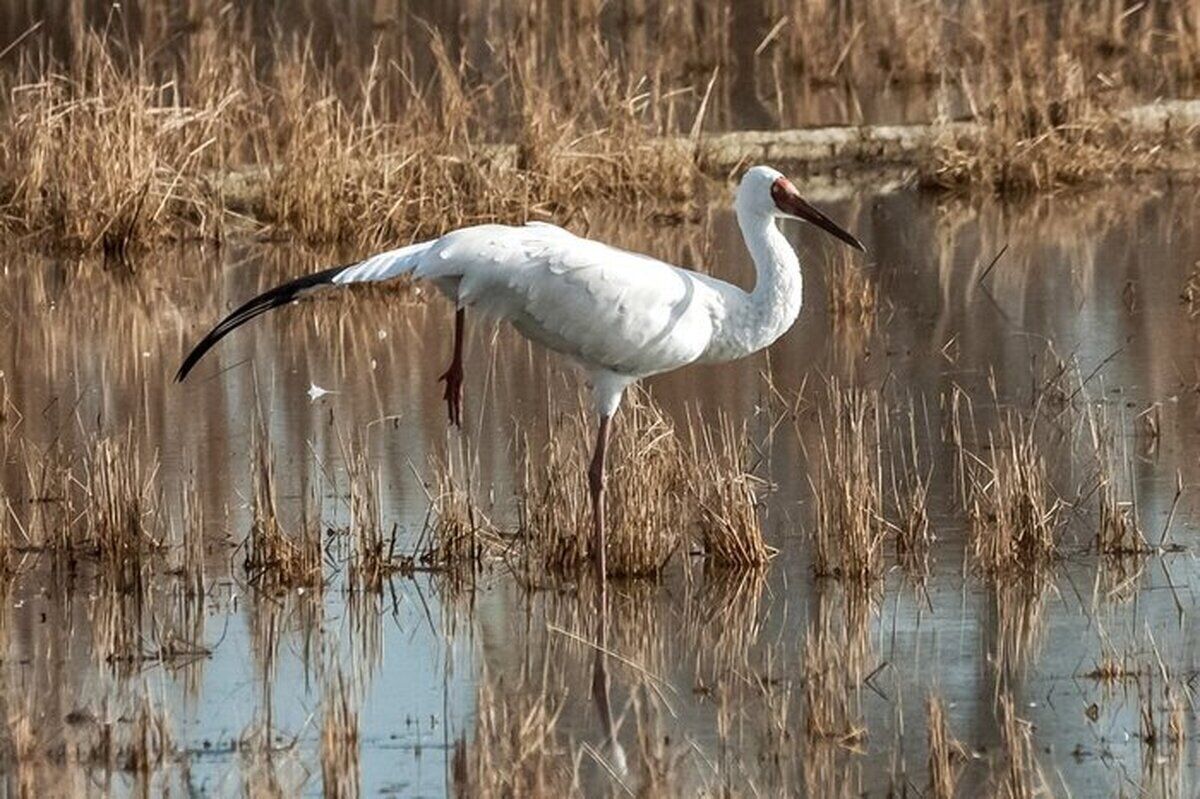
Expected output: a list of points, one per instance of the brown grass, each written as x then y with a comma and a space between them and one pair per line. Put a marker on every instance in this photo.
275, 557
853, 296
123, 509
191, 558
726, 494
100, 154
458, 535
1048, 132
847, 539
1119, 532
647, 493
1014, 513
910, 495
374, 558
110, 150
136, 137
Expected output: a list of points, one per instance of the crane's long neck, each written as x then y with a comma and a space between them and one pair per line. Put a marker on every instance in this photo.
755, 319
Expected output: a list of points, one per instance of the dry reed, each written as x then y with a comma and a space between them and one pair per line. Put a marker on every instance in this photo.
374, 558
123, 515
1119, 533
646, 491
191, 562
275, 557
853, 296
1014, 514
850, 529
458, 535
726, 494
136, 137
910, 495
109, 150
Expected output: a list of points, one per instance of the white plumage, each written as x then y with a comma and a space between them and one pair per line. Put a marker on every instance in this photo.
620, 315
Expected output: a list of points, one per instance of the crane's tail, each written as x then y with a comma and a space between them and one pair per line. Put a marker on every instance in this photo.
379, 267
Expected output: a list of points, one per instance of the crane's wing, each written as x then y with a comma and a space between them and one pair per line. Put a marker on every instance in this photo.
601, 305
604, 306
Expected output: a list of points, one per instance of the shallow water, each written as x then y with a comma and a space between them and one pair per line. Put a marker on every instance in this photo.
702, 659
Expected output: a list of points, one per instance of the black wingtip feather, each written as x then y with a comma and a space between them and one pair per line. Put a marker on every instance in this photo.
280, 295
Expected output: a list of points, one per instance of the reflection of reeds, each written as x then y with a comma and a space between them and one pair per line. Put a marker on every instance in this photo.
946, 754
1017, 775
340, 773
723, 618
513, 749
1020, 606
134, 739
833, 661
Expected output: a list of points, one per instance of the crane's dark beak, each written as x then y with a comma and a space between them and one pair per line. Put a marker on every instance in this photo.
789, 201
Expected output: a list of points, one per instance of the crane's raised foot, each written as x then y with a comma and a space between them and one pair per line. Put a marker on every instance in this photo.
453, 394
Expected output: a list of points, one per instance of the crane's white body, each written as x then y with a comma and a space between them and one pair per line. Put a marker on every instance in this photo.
621, 316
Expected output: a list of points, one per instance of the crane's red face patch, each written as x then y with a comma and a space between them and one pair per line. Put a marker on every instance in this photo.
789, 201
784, 194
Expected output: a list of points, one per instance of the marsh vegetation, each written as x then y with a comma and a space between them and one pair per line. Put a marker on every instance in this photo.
937, 541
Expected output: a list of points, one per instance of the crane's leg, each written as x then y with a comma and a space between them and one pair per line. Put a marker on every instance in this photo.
596, 484
453, 377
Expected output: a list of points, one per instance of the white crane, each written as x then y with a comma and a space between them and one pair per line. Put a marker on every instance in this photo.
619, 315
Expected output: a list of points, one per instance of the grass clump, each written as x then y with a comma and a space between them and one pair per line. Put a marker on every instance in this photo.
853, 296
1014, 514
646, 493
457, 535
100, 153
850, 529
374, 558
726, 495
273, 556
123, 511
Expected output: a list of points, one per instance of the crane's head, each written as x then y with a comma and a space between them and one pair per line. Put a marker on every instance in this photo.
766, 192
